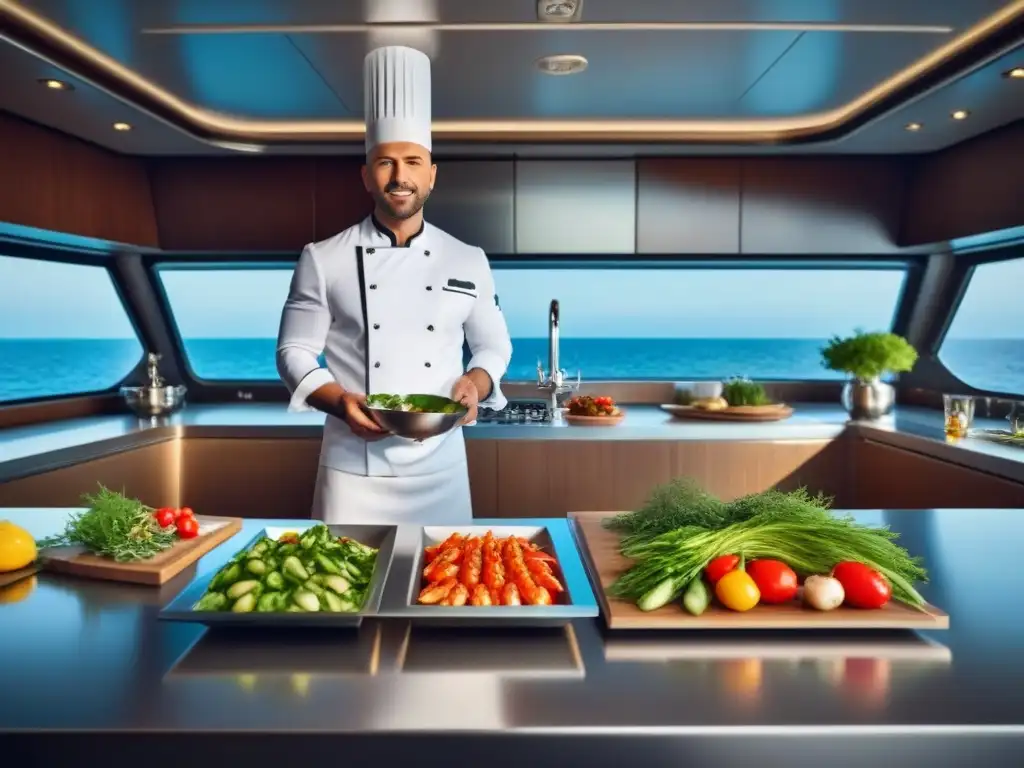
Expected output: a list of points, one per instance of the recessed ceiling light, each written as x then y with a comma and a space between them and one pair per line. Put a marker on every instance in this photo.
122, 126
914, 126
960, 114
1017, 73
562, 64
55, 85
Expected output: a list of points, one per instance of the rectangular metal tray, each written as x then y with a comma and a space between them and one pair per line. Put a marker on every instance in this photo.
553, 534
380, 536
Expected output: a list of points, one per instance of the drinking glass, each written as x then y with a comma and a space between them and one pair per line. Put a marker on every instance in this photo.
958, 411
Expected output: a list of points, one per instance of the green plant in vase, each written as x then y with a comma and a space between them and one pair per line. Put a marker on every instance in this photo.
866, 357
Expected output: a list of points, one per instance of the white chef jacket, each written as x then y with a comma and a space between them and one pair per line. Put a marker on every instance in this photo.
391, 320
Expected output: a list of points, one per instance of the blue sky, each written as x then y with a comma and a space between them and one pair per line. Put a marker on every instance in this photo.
42, 299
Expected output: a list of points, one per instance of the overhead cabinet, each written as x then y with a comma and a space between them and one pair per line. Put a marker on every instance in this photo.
688, 206
575, 207
474, 201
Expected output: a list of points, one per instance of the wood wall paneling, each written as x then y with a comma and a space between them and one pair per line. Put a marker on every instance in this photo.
54, 182
247, 477
149, 474
974, 188
688, 205
482, 456
575, 206
895, 478
228, 204
341, 197
823, 205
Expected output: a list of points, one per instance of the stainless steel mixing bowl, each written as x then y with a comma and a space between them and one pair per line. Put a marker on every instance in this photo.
415, 425
154, 401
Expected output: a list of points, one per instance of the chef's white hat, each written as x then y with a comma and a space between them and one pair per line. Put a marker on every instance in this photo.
396, 96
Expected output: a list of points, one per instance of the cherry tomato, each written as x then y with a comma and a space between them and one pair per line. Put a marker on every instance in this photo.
164, 516
776, 580
720, 566
184, 512
737, 591
188, 528
864, 586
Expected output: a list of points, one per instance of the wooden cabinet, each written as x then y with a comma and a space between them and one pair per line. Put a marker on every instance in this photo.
341, 196
895, 478
822, 205
575, 206
549, 478
688, 206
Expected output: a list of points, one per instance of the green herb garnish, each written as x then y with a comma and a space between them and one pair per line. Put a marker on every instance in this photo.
414, 403
744, 392
114, 526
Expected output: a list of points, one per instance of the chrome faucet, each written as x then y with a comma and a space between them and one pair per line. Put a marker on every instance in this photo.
554, 379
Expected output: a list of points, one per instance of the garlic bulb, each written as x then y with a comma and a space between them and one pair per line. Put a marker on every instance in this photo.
823, 592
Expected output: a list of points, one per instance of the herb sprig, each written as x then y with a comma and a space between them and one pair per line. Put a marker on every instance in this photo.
114, 526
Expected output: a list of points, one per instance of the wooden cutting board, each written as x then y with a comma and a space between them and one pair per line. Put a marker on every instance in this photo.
10, 577
161, 568
600, 550
776, 412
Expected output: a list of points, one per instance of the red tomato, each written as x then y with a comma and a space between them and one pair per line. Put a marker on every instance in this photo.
183, 512
164, 516
776, 580
720, 566
188, 528
864, 586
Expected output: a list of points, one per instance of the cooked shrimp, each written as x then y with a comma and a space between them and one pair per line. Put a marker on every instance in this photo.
542, 575
458, 595
481, 596
510, 595
435, 593
472, 563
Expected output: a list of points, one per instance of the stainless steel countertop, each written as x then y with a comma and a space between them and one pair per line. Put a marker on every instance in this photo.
91, 656
32, 449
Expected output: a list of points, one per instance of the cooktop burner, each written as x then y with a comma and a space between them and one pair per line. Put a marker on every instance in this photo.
517, 412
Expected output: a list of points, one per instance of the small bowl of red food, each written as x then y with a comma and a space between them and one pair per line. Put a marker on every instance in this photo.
587, 409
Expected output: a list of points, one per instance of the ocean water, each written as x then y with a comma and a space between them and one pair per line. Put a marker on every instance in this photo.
45, 367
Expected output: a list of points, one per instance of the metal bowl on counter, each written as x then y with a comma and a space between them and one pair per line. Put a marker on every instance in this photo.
416, 417
147, 401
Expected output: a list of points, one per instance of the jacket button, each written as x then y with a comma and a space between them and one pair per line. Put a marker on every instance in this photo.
426, 253
430, 287
371, 250
430, 327
427, 364
376, 326
373, 286
376, 365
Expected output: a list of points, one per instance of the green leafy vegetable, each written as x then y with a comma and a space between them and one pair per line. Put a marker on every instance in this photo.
114, 526
867, 356
414, 403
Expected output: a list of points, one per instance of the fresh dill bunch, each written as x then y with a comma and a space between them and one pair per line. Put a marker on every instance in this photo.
114, 526
678, 503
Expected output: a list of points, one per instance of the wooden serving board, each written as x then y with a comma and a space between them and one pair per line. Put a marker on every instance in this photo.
9, 577
596, 421
161, 568
776, 412
601, 551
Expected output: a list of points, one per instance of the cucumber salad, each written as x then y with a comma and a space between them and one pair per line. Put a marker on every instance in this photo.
307, 572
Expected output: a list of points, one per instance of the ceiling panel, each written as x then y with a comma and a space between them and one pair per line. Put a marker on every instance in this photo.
630, 74
150, 13
825, 70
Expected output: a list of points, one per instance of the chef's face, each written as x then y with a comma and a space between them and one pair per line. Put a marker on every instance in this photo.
399, 176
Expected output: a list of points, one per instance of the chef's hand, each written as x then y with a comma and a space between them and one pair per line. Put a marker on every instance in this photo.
465, 392
352, 413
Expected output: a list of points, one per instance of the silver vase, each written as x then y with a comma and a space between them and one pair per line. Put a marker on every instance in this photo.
868, 400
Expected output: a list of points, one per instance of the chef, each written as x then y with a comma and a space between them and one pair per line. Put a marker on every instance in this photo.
390, 302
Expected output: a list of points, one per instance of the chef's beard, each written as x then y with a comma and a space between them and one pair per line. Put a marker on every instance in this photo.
418, 199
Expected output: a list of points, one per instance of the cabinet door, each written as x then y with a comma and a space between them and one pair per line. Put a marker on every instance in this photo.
895, 478
473, 201
575, 206
688, 205
822, 205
